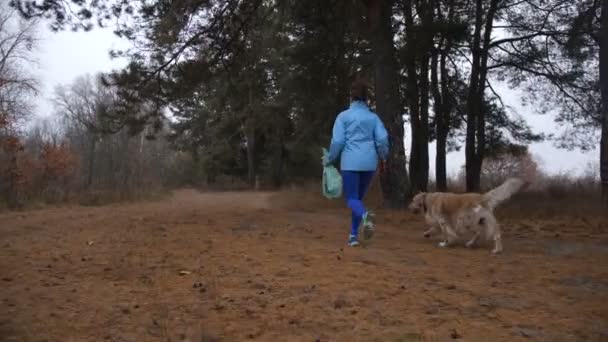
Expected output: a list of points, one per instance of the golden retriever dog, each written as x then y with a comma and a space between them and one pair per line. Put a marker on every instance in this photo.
458, 214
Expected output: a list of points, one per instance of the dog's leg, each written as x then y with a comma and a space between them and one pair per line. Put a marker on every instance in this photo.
442, 226
479, 225
493, 231
430, 231
473, 240
427, 233
497, 242
449, 236
452, 237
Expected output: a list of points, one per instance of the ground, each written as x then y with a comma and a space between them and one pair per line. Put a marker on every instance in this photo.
234, 266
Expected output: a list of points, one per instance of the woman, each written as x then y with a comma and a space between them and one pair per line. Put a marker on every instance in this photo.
361, 141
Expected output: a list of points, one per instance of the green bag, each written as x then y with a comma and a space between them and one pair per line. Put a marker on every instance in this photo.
332, 180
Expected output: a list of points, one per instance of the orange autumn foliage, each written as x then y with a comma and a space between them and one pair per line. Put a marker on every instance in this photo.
25, 174
57, 162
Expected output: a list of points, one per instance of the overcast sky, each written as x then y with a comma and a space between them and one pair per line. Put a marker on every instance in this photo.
66, 55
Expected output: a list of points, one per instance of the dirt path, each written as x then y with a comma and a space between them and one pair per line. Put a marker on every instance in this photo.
207, 267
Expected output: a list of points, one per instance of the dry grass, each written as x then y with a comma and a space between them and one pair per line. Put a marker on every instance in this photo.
91, 198
104, 197
558, 196
548, 198
308, 197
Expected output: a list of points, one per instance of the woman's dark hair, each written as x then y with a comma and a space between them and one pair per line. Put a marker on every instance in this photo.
359, 90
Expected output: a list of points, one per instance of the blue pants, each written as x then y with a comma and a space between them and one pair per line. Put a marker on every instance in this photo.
356, 184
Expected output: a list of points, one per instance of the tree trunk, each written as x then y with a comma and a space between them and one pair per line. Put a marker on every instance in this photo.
441, 177
278, 156
250, 125
13, 182
427, 45
419, 164
125, 182
483, 76
394, 181
441, 119
412, 98
92, 149
604, 94
472, 177
196, 161
444, 105
475, 136
444, 123
419, 44
140, 161
423, 180
250, 136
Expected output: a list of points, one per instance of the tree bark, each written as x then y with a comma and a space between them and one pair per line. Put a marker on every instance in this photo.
394, 181
604, 93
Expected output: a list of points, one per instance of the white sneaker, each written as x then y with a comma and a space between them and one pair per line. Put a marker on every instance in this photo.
353, 241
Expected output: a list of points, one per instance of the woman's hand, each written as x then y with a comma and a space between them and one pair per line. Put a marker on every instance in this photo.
325, 160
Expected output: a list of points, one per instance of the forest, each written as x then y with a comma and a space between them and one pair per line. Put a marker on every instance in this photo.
243, 94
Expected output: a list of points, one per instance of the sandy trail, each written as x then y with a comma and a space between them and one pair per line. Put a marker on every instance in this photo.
229, 266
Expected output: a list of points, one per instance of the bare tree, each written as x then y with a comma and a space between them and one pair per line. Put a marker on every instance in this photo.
17, 84
497, 169
81, 104
112, 156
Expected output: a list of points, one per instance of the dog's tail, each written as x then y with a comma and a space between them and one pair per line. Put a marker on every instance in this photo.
502, 193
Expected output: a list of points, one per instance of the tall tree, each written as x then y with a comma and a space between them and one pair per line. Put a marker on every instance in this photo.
419, 32
476, 121
17, 86
447, 83
395, 183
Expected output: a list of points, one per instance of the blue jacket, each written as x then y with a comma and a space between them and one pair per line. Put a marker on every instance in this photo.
358, 138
